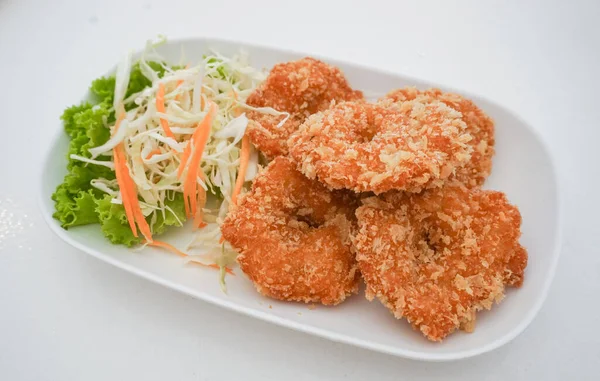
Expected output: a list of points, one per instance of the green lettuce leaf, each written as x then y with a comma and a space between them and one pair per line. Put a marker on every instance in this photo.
68, 118
104, 89
222, 73
80, 176
169, 219
137, 80
113, 222
75, 209
90, 131
75, 198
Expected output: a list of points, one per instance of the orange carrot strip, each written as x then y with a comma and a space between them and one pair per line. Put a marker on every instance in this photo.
244, 159
184, 158
200, 138
141, 221
120, 119
236, 110
153, 152
174, 250
166, 246
137, 212
179, 83
127, 186
123, 188
214, 266
190, 188
201, 203
186, 203
200, 130
182, 164
189, 193
118, 158
160, 107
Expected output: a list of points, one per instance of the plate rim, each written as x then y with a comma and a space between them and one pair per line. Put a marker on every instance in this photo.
42, 201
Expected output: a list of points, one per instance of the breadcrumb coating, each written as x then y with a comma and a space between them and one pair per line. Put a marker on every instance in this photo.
438, 257
479, 126
300, 88
369, 147
293, 235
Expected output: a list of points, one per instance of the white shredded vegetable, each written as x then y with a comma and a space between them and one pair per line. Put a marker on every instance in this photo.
122, 80
112, 142
108, 164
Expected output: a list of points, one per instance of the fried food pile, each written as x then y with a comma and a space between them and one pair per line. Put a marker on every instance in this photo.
388, 191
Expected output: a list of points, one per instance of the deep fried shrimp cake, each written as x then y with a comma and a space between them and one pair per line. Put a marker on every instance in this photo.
293, 235
438, 257
367, 147
300, 88
479, 126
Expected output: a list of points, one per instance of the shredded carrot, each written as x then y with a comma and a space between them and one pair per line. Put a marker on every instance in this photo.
141, 220
188, 148
190, 189
128, 187
186, 204
120, 119
160, 107
214, 266
184, 158
174, 250
202, 98
198, 223
244, 158
179, 83
236, 110
124, 194
119, 157
199, 138
166, 246
153, 152
217, 267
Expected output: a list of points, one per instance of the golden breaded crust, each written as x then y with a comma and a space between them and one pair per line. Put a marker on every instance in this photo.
438, 257
293, 235
516, 267
369, 147
479, 126
300, 88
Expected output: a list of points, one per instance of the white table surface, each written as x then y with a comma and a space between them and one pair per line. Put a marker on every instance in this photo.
67, 316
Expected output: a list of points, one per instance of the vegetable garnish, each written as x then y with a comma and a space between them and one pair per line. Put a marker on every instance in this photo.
179, 83
160, 107
244, 158
123, 187
198, 143
174, 250
156, 151
156, 144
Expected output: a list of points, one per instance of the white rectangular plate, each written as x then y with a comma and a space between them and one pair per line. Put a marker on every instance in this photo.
522, 169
